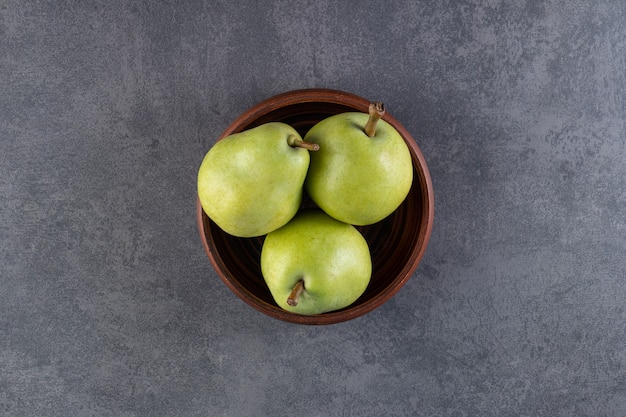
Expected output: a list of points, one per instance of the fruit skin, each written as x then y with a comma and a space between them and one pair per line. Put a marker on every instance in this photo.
331, 257
356, 178
251, 183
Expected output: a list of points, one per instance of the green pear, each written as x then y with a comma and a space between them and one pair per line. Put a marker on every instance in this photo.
315, 264
251, 183
363, 170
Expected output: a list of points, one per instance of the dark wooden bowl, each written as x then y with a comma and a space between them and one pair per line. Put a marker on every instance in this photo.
397, 243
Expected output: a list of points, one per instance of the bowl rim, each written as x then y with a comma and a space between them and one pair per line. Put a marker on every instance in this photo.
331, 96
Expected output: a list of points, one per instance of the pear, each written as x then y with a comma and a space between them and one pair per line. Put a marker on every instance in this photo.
315, 264
363, 170
251, 183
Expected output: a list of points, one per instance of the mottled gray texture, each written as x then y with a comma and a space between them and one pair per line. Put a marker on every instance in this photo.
109, 306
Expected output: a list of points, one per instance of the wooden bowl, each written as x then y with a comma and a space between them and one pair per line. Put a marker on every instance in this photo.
397, 243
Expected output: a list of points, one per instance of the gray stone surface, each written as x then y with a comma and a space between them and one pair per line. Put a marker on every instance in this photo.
109, 306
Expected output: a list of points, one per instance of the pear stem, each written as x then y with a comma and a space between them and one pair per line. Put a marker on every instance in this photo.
296, 142
376, 112
293, 298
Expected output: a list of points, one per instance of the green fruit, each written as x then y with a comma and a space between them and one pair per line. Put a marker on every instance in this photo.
250, 183
357, 177
315, 264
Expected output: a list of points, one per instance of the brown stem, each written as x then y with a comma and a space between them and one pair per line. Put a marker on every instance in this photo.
293, 298
296, 142
376, 111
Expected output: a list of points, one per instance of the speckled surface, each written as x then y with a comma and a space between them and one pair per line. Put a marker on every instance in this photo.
109, 306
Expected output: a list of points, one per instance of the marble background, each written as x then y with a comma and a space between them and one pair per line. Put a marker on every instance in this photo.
109, 306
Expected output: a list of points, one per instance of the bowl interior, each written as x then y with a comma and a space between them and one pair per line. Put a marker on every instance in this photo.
397, 243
